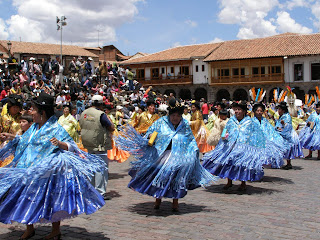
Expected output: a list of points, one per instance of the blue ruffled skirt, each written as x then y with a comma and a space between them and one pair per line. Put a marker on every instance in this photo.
310, 139
47, 192
161, 179
275, 152
235, 161
295, 148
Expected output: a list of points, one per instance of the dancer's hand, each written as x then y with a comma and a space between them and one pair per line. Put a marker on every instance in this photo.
7, 136
54, 141
59, 144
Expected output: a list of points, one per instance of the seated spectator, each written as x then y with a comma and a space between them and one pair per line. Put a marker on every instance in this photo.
15, 88
23, 78
37, 91
4, 94
61, 99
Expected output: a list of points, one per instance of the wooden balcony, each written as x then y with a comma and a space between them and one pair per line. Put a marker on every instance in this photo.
173, 80
248, 79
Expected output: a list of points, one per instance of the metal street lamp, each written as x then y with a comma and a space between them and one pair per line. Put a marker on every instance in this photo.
9, 47
61, 22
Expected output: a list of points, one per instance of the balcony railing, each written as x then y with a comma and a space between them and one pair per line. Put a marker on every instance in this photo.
165, 80
248, 79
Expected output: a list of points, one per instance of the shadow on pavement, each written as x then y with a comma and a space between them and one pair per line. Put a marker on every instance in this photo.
279, 180
295, 168
113, 194
251, 190
146, 208
116, 175
312, 159
67, 233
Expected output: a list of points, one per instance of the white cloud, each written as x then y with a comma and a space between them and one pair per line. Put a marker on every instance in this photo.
287, 24
255, 20
257, 28
297, 3
35, 20
250, 16
3, 30
234, 11
216, 40
191, 23
29, 30
176, 44
316, 12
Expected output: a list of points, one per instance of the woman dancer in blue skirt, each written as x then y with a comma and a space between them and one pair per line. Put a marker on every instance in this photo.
274, 141
310, 134
291, 138
48, 179
169, 168
241, 152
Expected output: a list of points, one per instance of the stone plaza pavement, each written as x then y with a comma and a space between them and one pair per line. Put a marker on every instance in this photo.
284, 205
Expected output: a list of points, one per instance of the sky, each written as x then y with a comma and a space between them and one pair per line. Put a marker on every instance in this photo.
151, 26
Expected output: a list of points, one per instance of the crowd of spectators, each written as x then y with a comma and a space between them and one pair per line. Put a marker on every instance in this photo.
74, 85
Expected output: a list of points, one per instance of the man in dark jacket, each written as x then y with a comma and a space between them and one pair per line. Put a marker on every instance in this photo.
88, 67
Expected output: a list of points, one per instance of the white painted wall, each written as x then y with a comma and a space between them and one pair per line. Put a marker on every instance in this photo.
306, 61
147, 72
200, 77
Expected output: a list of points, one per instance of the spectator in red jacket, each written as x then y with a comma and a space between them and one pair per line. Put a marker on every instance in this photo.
205, 110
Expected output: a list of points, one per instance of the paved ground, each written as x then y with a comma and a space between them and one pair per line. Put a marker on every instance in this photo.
284, 205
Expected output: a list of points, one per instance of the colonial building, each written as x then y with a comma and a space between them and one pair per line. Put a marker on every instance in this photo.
229, 69
25, 50
276, 61
179, 70
112, 54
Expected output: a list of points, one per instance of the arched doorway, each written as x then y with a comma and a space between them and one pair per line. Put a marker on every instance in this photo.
185, 94
168, 91
200, 93
223, 94
271, 98
240, 94
299, 93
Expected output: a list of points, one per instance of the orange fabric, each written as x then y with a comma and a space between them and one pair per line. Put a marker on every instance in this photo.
80, 146
6, 161
200, 132
142, 123
116, 154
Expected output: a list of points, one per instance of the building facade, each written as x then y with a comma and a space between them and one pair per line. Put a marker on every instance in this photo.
229, 69
45, 51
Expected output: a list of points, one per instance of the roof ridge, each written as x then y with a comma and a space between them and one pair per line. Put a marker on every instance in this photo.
43, 43
197, 44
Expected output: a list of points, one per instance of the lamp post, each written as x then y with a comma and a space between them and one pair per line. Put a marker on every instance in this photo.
60, 23
9, 47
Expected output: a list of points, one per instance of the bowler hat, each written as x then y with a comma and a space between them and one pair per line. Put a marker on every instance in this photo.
175, 106
241, 104
44, 99
15, 100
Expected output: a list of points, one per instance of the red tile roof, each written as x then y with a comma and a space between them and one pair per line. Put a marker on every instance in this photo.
287, 44
122, 56
46, 48
177, 53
